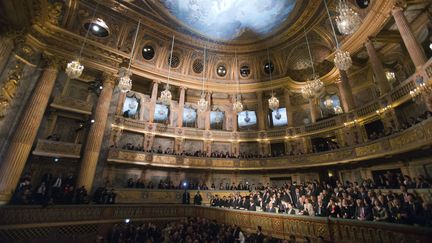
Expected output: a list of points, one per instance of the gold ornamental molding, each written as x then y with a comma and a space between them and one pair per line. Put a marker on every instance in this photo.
57, 149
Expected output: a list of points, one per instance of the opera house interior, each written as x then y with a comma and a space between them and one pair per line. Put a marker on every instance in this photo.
129, 121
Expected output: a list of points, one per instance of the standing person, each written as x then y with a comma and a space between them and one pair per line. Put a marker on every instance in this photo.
197, 198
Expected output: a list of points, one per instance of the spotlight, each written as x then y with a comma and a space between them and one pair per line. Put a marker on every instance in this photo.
56, 160
101, 87
92, 121
185, 184
430, 46
127, 221
95, 28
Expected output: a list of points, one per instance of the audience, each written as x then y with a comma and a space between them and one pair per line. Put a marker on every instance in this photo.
360, 201
187, 230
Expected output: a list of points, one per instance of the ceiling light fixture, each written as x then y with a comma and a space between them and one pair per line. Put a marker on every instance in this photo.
273, 101
348, 20
342, 58
202, 102
74, 68
166, 96
125, 81
237, 106
314, 87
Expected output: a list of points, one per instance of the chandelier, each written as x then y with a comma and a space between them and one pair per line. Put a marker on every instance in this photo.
348, 20
328, 102
74, 68
273, 103
202, 102
166, 96
125, 82
312, 88
237, 106
342, 60
421, 90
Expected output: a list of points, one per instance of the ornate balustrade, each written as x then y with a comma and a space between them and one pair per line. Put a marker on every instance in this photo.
407, 140
57, 149
71, 104
25, 222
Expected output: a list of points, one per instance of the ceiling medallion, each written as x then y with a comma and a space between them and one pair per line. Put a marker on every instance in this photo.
273, 103
342, 60
348, 20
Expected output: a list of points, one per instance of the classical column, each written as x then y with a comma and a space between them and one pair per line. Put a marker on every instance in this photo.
181, 107
313, 109
119, 108
414, 49
234, 115
378, 68
153, 100
289, 108
345, 92
207, 113
19, 149
95, 136
260, 111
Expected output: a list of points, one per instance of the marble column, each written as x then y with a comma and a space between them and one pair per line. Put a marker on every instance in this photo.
153, 100
378, 68
181, 107
313, 109
260, 111
16, 156
415, 51
234, 115
345, 91
119, 108
207, 113
6, 47
289, 108
95, 136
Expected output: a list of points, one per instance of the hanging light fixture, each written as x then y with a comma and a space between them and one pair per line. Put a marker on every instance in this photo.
342, 58
202, 102
166, 96
348, 20
237, 106
273, 101
74, 68
314, 87
125, 81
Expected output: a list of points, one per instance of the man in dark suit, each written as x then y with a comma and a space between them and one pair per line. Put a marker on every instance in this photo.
197, 198
362, 212
290, 209
320, 209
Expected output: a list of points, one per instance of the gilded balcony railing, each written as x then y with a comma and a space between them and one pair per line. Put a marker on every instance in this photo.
57, 149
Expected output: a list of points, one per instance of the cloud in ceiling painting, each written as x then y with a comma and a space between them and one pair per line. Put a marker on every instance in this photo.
230, 19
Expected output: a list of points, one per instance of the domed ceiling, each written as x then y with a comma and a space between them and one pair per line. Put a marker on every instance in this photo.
231, 19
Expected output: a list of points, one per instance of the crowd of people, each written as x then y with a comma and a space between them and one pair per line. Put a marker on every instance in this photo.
58, 190
194, 230
359, 201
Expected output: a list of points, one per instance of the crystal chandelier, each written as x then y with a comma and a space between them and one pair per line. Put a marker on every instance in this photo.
202, 102
74, 68
348, 20
312, 88
273, 103
125, 81
328, 102
166, 96
420, 91
342, 60
237, 106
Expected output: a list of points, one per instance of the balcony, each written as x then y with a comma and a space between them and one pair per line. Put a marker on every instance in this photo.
24, 224
57, 149
413, 138
71, 104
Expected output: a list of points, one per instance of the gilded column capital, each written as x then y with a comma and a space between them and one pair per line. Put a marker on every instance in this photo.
51, 61
109, 79
399, 5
